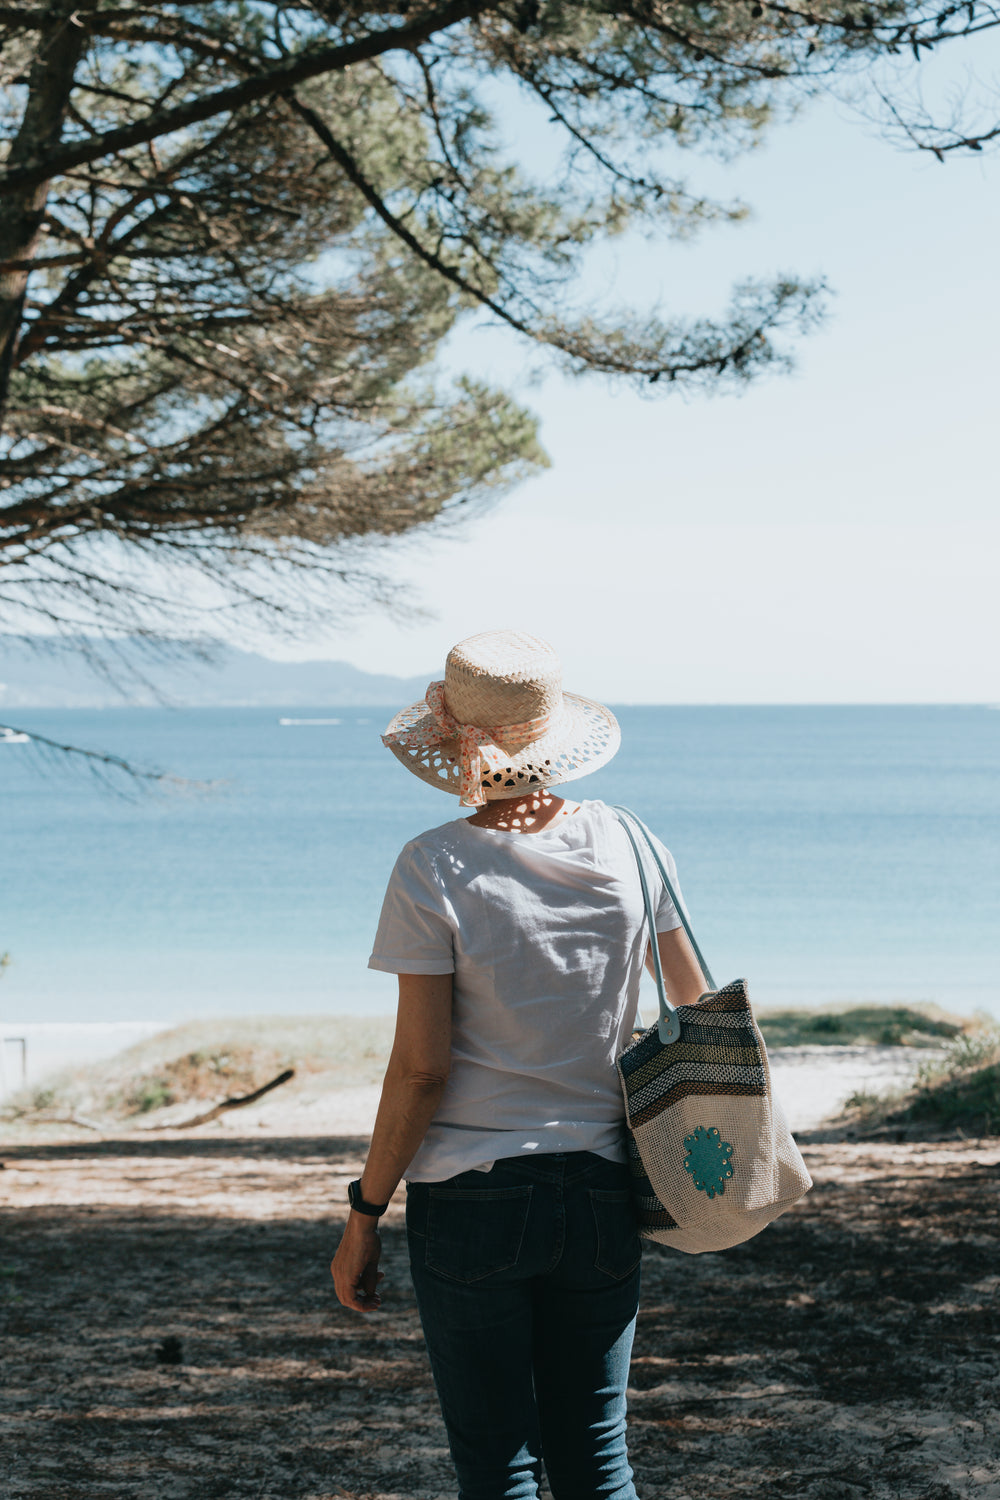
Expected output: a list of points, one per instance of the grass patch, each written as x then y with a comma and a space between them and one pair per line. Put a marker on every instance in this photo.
862, 1025
203, 1074
203, 1062
958, 1092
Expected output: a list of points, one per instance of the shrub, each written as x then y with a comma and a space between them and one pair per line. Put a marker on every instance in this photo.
149, 1093
861, 1025
201, 1074
959, 1091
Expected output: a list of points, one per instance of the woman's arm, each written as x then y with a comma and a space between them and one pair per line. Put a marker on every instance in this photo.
411, 1091
682, 977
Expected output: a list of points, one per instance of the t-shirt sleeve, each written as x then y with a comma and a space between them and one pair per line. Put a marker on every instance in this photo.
667, 915
415, 933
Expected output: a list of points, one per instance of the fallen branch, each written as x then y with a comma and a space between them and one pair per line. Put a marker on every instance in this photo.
213, 1114
46, 1119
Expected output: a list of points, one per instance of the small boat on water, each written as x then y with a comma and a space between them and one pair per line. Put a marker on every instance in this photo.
13, 736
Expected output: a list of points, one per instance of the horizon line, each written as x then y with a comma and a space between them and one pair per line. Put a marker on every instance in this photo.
611, 702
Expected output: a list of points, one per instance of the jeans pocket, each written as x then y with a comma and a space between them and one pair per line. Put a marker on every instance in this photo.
619, 1248
476, 1233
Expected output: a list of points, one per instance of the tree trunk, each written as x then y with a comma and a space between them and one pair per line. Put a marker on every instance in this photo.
50, 82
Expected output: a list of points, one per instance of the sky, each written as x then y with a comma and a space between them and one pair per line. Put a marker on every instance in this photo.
832, 536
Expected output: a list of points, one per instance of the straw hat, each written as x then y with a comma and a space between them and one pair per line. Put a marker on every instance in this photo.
500, 724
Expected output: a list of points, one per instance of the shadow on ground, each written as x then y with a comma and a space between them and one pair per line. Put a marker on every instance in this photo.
179, 1143
851, 1350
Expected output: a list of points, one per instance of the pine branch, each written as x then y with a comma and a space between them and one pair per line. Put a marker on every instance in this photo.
311, 64
99, 760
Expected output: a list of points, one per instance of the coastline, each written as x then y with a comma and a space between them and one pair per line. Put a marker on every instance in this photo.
334, 1097
812, 846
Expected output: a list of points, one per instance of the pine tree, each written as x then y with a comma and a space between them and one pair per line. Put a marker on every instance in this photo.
233, 237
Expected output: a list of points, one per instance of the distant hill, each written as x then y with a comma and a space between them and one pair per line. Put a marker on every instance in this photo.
31, 678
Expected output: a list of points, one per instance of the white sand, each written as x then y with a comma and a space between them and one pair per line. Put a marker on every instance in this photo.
51, 1046
812, 1083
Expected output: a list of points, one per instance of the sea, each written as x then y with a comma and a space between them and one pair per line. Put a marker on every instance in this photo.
826, 853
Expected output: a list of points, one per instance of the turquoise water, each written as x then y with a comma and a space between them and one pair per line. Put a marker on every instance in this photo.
827, 853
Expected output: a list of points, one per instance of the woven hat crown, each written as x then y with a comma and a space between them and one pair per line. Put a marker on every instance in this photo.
499, 724
502, 677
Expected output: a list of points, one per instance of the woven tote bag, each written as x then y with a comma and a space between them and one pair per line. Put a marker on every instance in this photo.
713, 1160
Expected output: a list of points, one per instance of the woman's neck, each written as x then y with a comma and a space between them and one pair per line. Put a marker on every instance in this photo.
528, 814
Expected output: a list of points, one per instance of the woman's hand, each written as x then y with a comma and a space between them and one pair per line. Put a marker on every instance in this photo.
411, 1092
354, 1268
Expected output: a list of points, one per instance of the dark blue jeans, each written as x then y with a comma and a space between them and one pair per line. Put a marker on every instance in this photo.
527, 1281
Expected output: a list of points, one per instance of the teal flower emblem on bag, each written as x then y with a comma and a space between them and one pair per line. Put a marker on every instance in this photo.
709, 1160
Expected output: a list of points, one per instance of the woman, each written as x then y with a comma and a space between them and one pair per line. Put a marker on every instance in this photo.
518, 935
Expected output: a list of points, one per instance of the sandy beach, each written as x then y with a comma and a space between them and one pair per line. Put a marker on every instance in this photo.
812, 1082
170, 1328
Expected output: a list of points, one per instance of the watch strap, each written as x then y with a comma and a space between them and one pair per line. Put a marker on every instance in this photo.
354, 1198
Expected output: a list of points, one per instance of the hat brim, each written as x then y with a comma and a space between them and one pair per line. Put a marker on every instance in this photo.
585, 737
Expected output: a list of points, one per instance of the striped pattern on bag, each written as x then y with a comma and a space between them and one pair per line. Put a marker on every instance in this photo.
719, 1053
649, 1211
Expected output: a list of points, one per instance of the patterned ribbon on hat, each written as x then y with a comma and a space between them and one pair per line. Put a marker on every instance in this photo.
478, 752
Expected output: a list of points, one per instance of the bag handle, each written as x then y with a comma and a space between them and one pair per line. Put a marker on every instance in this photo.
668, 1025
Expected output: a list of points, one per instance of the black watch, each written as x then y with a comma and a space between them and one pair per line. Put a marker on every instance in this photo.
354, 1198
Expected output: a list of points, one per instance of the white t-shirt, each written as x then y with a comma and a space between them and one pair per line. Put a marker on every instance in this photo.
545, 935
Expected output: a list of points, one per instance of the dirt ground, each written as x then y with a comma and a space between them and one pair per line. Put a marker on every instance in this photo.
169, 1331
